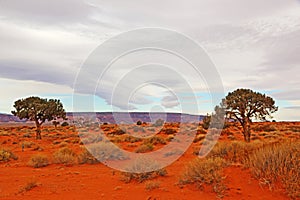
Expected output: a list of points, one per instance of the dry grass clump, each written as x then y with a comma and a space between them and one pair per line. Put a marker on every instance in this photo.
278, 162
264, 127
106, 151
234, 152
205, 171
28, 144
151, 185
143, 169
155, 140
65, 156
29, 186
144, 148
6, 155
86, 157
131, 139
39, 160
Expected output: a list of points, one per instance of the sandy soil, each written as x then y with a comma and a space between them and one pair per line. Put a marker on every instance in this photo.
97, 181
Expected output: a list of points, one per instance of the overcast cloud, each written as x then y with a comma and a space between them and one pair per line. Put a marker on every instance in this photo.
254, 44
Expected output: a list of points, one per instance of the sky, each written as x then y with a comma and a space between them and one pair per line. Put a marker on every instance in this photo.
47, 45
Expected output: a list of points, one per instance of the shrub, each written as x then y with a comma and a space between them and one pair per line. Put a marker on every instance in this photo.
151, 185
144, 148
38, 161
29, 185
106, 151
264, 127
86, 157
278, 162
138, 129
6, 155
117, 132
155, 140
234, 152
170, 131
142, 169
132, 139
65, 156
65, 124
205, 171
159, 122
27, 144
139, 123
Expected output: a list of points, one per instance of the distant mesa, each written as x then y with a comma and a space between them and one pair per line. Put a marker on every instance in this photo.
108, 117
10, 118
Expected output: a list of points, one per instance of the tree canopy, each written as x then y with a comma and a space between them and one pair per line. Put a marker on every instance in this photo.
244, 105
39, 110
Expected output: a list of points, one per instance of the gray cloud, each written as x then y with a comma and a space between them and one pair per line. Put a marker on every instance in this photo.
253, 43
170, 101
47, 12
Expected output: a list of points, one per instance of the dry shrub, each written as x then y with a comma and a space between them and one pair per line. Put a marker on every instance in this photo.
29, 186
142, 169
86, 157
205, 171
28, 144
131, 139
234, 152
39, 160
6, 155
278, 162
106, 151
199, 138
155, 140
144, 148
151, 185
169, 131
264, 127
65, 156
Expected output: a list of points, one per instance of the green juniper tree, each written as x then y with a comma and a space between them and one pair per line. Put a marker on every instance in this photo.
39, 110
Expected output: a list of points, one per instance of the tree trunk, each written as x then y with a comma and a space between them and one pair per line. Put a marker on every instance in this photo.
38, 131
246, 131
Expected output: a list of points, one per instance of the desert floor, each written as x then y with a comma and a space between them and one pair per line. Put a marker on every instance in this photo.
79, 176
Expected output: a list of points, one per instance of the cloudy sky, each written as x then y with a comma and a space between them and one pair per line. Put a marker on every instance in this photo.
253, 44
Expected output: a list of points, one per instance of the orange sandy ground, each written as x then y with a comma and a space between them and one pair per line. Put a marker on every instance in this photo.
97, 181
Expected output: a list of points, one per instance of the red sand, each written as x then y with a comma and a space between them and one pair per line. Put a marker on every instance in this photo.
100, 182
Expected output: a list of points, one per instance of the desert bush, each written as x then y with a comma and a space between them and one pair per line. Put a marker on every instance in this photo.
6, 155
174, 152
142, 169
199, 138
234, 152
155, 140
159, 122
231, 137
139, 123
65, 124
38, 161
278, 162
151, 185
117, 132
200, 130
29, 186
132, 139
144, 148
138, 129
264, 127
205, 171
65, 156
169, 131
106, 151
27, 135
63, 144
86, 157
